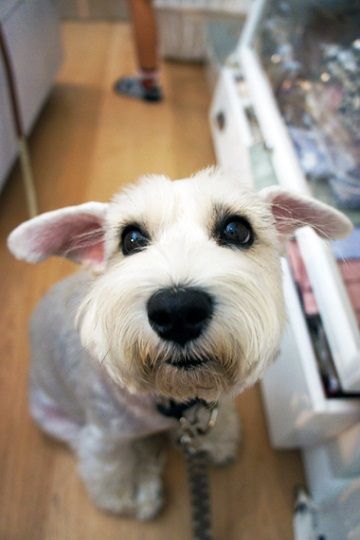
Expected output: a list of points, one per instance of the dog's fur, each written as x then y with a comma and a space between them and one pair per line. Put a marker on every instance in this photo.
96, 387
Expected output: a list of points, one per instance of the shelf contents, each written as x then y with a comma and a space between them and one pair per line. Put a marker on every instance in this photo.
350, 270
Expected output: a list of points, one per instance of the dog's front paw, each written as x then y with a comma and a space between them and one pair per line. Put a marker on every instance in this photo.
149, 499
122, 504
122, 478
143, 501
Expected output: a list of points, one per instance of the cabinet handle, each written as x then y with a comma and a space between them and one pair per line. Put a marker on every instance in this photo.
220, 120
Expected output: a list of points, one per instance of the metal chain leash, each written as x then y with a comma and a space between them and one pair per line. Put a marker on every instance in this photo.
198, 480
192, 428
196, 418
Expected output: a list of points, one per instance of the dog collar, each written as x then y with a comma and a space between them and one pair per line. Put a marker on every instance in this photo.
175, 409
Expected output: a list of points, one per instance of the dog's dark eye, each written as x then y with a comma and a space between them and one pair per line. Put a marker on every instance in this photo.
236, 231
133, 239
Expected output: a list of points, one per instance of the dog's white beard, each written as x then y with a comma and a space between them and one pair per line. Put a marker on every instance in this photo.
240, 341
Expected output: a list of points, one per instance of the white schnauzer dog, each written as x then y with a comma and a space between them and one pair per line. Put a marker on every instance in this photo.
182, 298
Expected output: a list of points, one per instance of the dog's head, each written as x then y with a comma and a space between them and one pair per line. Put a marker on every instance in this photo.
187, 300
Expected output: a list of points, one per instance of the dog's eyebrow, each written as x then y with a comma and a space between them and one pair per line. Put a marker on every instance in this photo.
222, 211
123, 224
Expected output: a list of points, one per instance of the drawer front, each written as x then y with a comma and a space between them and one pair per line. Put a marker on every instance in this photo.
33, 38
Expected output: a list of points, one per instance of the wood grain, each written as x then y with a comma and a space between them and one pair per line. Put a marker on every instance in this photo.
87, 143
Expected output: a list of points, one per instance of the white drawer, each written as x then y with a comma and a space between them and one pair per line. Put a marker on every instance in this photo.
31, 31
298, 411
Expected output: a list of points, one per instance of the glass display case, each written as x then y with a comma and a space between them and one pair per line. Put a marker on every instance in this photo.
301, 64
311, 54
286, 110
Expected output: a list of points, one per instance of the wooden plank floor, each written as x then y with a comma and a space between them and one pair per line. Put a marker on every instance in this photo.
87, 143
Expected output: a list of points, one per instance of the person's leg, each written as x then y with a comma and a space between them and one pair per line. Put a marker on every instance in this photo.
145, 33
146, 84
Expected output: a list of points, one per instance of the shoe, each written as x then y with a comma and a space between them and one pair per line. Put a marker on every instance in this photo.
134, 87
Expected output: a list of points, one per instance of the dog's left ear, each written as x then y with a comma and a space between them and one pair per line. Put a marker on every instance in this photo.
292, 210
74, 232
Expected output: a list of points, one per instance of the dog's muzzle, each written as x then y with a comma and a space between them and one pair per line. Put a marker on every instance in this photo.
180, 314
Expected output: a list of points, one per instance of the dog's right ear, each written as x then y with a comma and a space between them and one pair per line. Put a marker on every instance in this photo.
292, 210
75, 232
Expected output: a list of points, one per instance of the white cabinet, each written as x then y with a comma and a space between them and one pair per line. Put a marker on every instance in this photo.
250, 133
32, 34
7, 130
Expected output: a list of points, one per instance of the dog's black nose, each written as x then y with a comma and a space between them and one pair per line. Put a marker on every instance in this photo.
179, 314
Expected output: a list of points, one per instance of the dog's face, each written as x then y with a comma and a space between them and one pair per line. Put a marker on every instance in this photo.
188, 302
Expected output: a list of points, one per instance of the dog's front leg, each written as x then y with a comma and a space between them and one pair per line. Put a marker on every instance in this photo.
122, 476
